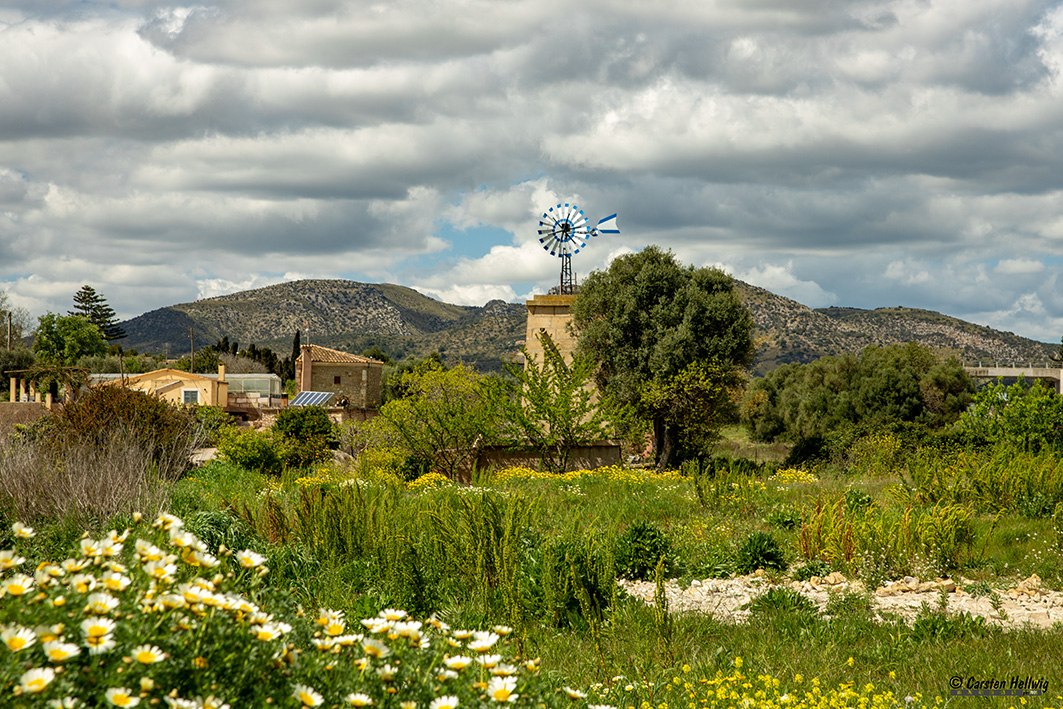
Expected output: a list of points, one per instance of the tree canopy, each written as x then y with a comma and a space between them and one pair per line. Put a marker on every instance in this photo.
64, 339
647, 318
881, 384
93, 306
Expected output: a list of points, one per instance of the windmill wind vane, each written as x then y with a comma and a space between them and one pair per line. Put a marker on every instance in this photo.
564, 231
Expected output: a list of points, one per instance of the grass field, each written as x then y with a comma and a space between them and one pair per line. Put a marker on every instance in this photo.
540, 554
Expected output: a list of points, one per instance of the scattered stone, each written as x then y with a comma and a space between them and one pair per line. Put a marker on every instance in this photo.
834, 579
724, 598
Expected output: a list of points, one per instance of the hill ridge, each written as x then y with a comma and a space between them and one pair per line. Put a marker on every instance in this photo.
353, 316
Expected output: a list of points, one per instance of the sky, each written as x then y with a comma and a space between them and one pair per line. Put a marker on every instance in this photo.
859, 154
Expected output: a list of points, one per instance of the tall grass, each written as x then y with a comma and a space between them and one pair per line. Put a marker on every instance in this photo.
119, 472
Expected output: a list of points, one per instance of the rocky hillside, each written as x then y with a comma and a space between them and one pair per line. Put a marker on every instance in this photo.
790, 332
342, 314
355, 316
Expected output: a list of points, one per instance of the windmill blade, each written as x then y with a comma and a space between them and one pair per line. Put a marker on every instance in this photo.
608, 225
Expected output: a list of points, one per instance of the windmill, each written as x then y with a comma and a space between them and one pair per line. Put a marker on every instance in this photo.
564, 231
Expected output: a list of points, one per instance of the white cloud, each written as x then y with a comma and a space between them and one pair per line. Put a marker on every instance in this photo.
781, 280
1017, 266
470, 294
851, 153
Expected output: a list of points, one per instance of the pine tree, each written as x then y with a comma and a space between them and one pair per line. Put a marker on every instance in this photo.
92, 305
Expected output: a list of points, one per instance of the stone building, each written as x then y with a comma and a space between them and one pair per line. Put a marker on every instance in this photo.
552, 314
356, 381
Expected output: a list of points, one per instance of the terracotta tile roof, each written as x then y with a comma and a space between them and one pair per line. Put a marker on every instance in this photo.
324, 354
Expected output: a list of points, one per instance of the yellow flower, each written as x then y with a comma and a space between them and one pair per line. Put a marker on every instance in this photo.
850, 661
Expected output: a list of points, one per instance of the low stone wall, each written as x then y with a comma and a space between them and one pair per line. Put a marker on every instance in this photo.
19, 412
594, 455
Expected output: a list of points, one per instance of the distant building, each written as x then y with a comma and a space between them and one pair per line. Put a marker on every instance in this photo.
173, 385
356, 381
239, 394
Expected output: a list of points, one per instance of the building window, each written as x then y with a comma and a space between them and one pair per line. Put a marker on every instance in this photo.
336, 379
190, 396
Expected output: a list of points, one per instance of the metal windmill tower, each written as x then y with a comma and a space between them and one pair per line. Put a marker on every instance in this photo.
564, 231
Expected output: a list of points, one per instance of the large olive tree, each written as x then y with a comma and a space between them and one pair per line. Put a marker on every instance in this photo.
647, 319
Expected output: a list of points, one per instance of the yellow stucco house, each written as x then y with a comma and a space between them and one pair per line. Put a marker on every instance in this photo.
179, 387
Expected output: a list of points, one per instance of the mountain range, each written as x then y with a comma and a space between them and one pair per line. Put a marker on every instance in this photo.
353, 316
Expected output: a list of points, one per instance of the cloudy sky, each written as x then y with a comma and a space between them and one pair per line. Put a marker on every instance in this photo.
866, 154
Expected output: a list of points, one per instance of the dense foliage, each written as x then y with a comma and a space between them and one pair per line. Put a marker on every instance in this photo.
64, 339
647, 318
165, 427
880, 385
444, 416
697, 402
304, 434
1028, 418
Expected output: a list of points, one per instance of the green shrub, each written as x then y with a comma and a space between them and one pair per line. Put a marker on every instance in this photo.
577, 581
855, 500
807, 451
95, 416
781, 600
816, 567
849, 604
759, 551
639, 549
252, 450
212, 421
931, 625
784, 517
304, 433
303, 422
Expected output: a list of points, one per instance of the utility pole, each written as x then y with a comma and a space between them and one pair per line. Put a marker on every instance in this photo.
192, 358
9, 330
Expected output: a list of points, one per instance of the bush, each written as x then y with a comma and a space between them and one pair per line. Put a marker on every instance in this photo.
252, 450
169, 430
816, 567
855, 500
639, 549
782, 600
759, 551
296, 422
212, 421
305, 433
114, 474
784, 517
576, 582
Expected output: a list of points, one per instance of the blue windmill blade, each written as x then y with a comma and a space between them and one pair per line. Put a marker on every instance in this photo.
607, 225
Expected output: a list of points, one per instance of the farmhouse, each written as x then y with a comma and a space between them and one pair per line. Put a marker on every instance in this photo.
356, 381
242, 394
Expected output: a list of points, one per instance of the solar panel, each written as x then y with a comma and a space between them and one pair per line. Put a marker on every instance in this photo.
311, 398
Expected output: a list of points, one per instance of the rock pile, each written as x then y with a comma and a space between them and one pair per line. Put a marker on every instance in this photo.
1027, 602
